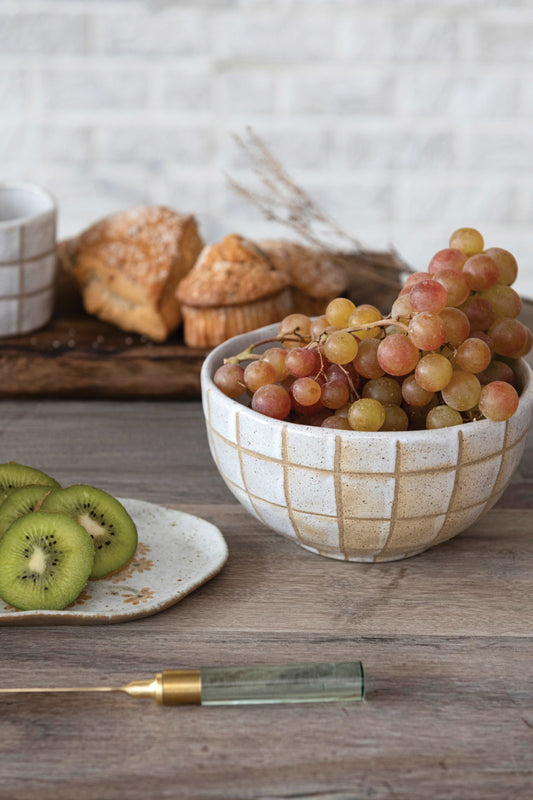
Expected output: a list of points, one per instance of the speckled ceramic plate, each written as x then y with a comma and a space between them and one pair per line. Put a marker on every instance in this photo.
177, 552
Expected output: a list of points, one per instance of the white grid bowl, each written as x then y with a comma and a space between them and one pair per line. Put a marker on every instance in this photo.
27, 257
360, 496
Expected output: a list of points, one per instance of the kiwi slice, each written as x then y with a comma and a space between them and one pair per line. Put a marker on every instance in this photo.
13, 476
45, 561
112, 529
19, 503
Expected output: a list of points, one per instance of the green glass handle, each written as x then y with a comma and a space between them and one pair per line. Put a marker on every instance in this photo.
289, 683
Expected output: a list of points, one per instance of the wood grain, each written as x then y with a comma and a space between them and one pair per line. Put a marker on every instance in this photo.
445, 637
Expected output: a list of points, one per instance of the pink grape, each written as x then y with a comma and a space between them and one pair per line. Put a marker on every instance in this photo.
299, 326
449, 258
427, 331
366, 361
497, 371
402, 307
481, 272
301, 362
527, 345
416, 277
229, 378
335, 394
272, 400
397, 355
318, 326
259, 373
484, 338
507, 266
480, 312
414, 394
462, 392
346, 373
456, 286
498, 401
473, 355
277, 357
429, 296
509, 336
306, 391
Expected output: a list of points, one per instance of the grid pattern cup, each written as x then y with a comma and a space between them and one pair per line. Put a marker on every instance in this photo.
27, 257
360, 496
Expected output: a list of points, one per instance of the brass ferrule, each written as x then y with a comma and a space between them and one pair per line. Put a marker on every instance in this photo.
179, 687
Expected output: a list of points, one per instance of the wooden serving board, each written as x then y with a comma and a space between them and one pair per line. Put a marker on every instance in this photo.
77, 355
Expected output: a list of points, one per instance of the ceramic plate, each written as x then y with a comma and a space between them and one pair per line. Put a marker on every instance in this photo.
177, 552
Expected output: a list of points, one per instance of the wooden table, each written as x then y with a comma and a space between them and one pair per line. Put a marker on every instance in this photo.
446, 640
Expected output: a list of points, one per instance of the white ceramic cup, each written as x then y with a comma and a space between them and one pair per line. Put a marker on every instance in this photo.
27, 257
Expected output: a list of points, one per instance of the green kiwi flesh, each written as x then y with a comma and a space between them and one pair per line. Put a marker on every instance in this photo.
13, 476
106, 520
45, 561
20, 502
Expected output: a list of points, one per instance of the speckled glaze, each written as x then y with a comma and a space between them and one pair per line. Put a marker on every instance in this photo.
177, 552
360, 496
27, 257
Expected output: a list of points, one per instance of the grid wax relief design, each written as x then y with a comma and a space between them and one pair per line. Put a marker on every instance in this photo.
27, 272
362, 498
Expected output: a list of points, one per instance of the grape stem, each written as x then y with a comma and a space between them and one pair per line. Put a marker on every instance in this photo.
249, 355
294, 336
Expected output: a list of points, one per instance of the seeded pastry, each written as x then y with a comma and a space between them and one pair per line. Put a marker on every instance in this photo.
129, 264
316, 278
233, 288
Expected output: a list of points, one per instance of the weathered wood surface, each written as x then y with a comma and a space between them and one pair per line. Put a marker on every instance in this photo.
446, 639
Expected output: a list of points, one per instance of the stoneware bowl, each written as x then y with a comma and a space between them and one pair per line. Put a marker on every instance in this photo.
27, 257
360, 496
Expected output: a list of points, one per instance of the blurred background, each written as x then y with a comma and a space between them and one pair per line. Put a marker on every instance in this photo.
404, 119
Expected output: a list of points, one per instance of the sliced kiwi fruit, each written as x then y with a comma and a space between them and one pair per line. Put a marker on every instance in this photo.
20, 502
13, 476
45, 561
112, 529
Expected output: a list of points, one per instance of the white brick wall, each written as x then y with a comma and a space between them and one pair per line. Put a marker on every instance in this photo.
404, 118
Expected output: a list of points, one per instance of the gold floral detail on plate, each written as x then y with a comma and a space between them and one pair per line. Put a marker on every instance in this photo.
135, 596
81, 599
7, 607
139, 563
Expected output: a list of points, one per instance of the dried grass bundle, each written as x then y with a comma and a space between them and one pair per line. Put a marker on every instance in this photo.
281, 200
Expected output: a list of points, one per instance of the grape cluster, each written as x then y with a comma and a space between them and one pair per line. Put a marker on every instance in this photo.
442, 357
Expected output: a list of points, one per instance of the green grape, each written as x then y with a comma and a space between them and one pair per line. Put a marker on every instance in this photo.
433, 372
507, 266
340, 347
462, 392
443, 417
297, 324
338, 312
385, 390
395, 419
362, 316
467, 240
366, 415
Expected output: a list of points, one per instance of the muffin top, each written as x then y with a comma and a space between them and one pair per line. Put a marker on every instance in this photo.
230, 272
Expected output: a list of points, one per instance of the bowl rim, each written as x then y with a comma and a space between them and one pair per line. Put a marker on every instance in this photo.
208, 369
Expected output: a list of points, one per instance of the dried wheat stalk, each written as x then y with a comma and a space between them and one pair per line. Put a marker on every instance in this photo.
281, 200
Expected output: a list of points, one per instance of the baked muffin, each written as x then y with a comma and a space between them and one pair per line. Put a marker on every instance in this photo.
315, 276
232, 288
129, 265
